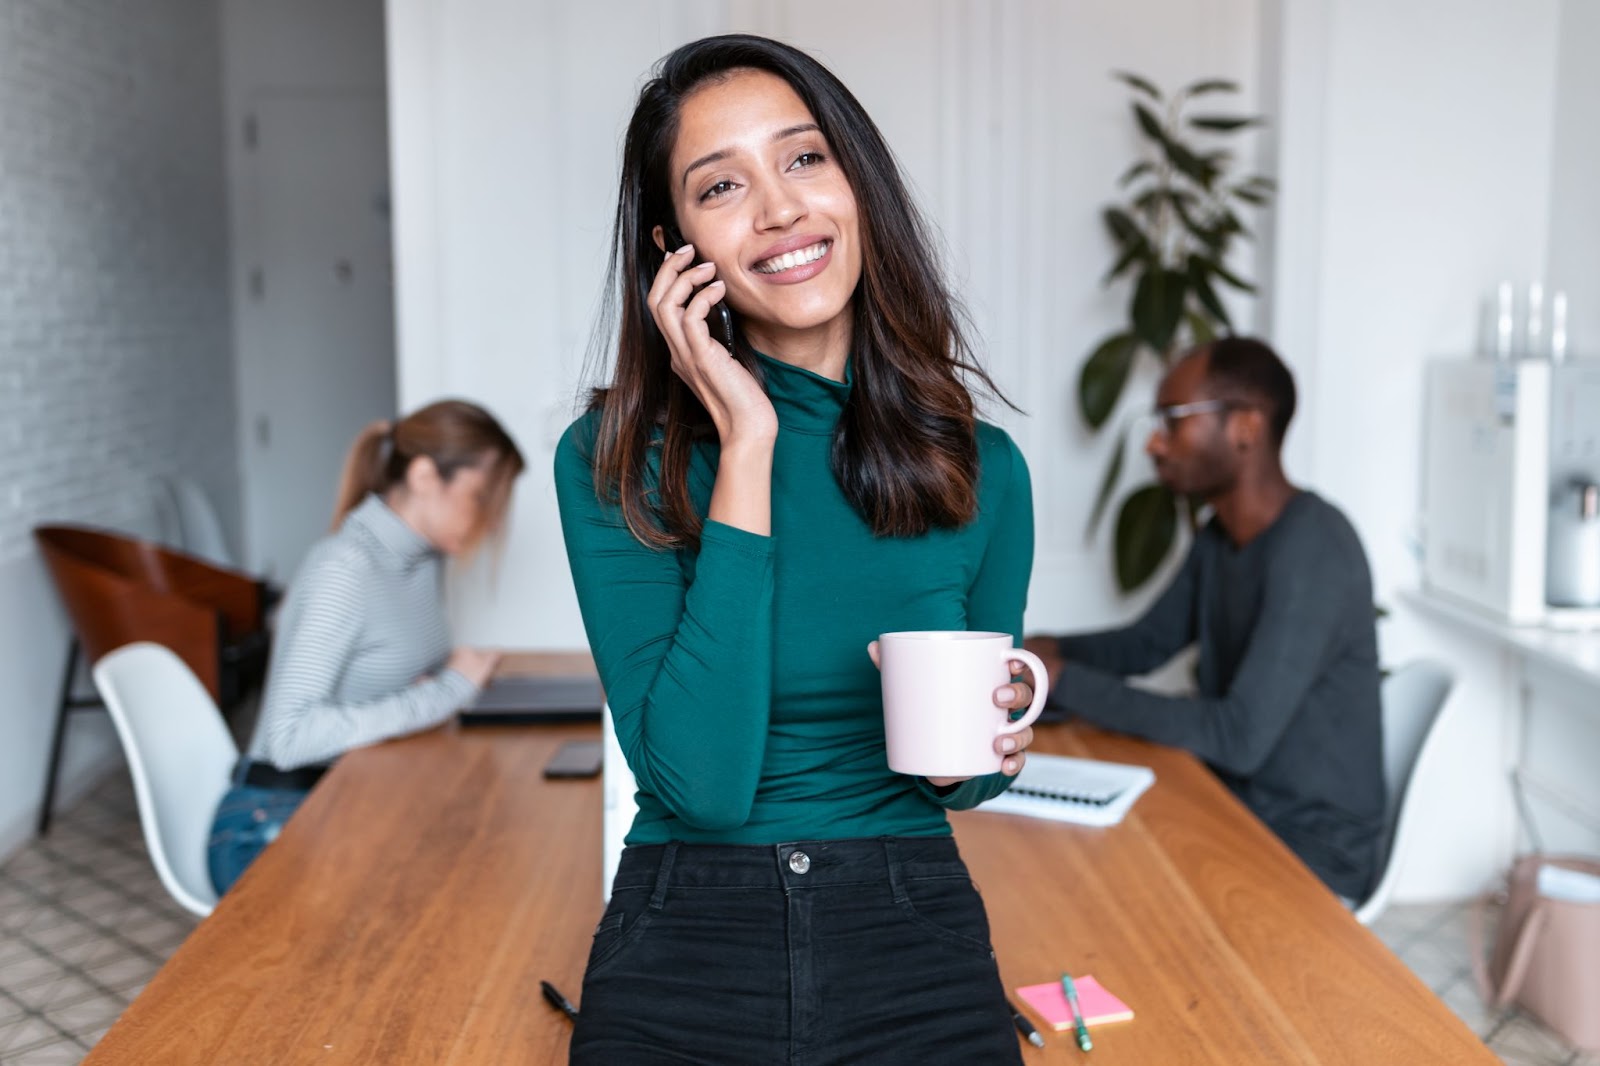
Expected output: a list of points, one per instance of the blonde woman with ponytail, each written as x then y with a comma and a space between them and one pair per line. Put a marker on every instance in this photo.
363, 650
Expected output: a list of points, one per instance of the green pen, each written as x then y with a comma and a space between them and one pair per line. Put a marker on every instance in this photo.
1077, 1012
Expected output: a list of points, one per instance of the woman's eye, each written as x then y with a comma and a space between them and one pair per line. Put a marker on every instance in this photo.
718, 189
807, 159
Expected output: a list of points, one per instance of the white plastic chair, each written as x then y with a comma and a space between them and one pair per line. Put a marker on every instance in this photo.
183, 504
181, 757
618, 788
1413, 698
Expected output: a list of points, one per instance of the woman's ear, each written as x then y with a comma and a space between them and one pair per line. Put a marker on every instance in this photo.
659, 235
422, 476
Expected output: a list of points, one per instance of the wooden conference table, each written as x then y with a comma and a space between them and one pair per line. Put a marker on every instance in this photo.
411, 907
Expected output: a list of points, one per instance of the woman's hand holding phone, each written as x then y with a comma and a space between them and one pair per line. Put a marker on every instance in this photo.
680, 300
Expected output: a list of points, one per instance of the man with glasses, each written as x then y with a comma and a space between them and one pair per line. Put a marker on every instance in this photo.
1277, 595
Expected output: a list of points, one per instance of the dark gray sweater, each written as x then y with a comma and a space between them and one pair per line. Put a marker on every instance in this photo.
1287, 712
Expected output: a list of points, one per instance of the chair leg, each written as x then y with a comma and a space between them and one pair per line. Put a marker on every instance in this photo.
60, 737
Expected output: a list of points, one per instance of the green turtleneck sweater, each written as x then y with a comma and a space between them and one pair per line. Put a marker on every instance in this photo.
738, 676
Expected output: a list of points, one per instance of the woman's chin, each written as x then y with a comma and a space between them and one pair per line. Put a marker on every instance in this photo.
791, 321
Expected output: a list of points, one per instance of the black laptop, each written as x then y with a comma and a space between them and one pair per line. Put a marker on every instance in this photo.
527, 700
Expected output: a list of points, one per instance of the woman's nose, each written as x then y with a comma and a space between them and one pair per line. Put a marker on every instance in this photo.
780, 207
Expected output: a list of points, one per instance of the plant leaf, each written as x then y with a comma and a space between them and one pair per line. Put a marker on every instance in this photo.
1189, 164
1124, 230
1228, 224
1212, 85
1157, 306
1147, 528
1201, 331
1150, 124
1108, 485
1232, 279
1144, 166
1180, 202
1250, 195
1225, 123
1133, 254
1104, 376
1259, 181
1142, 84
1205, 293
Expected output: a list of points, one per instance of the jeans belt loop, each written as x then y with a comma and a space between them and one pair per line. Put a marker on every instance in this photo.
663, 874
891, 858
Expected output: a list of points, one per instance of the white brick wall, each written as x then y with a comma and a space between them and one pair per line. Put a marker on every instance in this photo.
115, 347
115, 360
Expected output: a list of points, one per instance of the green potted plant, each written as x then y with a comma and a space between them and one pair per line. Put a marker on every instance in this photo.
1171, 236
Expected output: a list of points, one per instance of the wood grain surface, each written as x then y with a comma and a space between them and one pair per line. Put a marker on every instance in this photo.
410, 909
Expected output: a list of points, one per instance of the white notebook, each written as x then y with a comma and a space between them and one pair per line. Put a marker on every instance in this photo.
1073, 790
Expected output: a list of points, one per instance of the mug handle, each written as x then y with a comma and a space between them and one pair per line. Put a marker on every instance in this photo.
1041, 689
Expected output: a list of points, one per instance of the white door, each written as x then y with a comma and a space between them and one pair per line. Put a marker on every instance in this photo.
316, 317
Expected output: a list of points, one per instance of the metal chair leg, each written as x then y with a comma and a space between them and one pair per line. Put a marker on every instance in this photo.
60, 737
68, 704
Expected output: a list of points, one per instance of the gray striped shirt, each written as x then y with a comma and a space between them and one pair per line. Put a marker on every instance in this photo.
360, 646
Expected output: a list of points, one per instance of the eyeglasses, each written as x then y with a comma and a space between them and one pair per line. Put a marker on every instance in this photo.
1164, 420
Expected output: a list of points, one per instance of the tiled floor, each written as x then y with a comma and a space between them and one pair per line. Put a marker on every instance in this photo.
1434, 941
84, 924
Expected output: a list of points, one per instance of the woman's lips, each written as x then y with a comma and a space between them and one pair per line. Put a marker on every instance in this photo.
795, 266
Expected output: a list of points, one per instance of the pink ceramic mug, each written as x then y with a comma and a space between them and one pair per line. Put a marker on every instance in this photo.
939, 714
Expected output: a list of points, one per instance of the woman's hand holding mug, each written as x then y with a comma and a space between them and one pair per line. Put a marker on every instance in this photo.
932, 683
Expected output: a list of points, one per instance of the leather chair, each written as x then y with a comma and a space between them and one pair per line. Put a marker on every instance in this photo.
119, 589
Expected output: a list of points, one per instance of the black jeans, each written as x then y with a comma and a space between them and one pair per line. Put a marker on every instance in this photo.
816, 952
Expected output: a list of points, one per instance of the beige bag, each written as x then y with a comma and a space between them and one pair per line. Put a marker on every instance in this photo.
1547, 953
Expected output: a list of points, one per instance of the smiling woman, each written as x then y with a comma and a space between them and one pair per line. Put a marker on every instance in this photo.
753, 152
741, 525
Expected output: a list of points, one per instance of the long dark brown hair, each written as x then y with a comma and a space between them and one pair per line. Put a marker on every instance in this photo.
905, 450
454, 434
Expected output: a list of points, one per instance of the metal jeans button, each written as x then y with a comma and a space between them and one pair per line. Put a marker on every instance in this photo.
799, 862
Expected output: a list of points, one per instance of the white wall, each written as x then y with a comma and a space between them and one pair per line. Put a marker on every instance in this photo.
1415, 149
314, 354
506, 125
114, 350
1574, 263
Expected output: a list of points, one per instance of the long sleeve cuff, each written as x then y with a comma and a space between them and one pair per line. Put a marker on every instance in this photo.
968, 794
456, 691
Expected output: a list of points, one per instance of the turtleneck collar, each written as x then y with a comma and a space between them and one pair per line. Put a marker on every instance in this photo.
395, 539
805, 402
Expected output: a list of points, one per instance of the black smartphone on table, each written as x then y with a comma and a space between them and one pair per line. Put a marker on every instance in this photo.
576, 758
720, 320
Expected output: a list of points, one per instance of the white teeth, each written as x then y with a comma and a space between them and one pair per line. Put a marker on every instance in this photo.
790, 260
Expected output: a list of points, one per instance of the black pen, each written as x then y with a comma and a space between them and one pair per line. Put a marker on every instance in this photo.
558, 1001
1024, 1026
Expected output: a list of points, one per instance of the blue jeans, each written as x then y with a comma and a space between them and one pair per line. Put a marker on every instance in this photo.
248, 819
813, 953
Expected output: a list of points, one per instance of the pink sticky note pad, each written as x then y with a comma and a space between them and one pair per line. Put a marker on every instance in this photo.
1099, 1006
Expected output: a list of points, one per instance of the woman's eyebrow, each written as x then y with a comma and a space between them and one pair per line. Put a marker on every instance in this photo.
723, 153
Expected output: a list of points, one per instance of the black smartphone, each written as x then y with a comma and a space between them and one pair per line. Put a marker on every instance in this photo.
576, 758
720, 320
